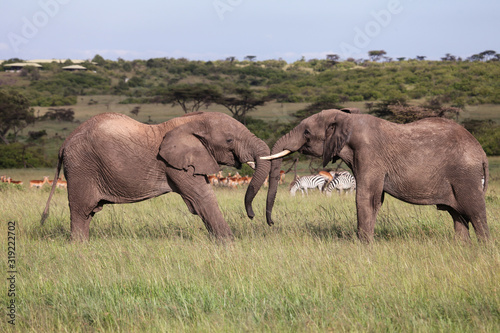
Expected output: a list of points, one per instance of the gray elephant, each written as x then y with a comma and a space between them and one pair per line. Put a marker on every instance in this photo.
433, 161
112, 159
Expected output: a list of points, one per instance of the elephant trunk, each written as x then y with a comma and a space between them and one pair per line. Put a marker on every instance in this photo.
286, 142
262, 168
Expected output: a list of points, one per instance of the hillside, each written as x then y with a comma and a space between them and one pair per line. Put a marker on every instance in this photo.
137, 88
459, 83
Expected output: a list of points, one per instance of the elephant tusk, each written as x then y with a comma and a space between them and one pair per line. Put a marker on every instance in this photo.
251, 164
275, 156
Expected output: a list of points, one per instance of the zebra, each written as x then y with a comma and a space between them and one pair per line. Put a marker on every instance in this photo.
306, 182
341, 181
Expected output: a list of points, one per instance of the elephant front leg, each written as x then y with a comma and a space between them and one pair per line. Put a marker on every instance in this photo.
200, 199
368, 203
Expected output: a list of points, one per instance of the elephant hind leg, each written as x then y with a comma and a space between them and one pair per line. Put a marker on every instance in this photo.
470, 204
480, 224
461, 224
80, 222
80, 226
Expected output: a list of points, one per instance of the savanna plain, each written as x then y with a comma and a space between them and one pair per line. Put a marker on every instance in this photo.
151, 266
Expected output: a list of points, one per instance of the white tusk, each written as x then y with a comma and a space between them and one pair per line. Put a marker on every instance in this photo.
251, 164
275, 156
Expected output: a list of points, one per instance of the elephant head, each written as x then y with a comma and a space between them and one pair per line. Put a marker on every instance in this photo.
215, 138
321, 135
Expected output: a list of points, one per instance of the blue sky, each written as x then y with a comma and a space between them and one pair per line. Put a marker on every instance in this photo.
216, 29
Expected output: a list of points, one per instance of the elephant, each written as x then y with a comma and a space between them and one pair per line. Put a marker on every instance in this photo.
112, 159
433, 161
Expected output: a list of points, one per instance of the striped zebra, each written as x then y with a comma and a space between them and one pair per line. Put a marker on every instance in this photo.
307, 182
341, 181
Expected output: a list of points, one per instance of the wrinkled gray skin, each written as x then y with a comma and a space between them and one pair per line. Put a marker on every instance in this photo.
112, 158
433, 161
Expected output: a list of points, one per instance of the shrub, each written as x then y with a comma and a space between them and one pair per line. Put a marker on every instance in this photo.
17, 155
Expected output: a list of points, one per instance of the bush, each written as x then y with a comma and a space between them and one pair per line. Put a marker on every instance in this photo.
487, 133
59, 114
17, 155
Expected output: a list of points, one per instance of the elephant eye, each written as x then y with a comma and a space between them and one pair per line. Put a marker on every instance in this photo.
306, 132
229, 140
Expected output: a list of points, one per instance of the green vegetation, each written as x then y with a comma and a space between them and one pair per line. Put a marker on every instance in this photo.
151, 266
246, 87
462, 83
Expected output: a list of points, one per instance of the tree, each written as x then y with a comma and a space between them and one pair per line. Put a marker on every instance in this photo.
332, 59
324, 102
98, 60
242, 101
190, 97
250, 57
449, 57
421, 58
487, 55
376, 55
15, 113
59, 114
399, 111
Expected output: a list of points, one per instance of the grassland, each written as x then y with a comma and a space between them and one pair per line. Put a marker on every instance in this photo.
151, 266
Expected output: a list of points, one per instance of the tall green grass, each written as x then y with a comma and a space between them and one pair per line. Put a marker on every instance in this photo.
151, 266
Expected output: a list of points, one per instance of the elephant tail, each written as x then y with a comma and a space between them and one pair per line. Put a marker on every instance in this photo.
45, 213
486, 174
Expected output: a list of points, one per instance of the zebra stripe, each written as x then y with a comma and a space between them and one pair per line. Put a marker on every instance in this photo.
341, 181
307, 182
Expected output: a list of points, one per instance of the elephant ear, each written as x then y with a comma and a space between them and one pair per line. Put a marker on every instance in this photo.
182, 148
337, 134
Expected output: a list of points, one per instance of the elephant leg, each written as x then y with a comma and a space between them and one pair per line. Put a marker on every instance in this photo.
471, 205
200, 199
368, 202
83, 204
461, 226
80, 226
477, 216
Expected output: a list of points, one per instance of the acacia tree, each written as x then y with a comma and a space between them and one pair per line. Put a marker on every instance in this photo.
376, 55
190, 97
15, 113
241, 101
399, 111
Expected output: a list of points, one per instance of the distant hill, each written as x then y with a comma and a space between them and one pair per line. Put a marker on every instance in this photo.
457, 82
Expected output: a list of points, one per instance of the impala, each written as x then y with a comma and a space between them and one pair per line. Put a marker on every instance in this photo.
39, 183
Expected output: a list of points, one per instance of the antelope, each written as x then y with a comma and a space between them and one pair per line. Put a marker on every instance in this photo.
15, 182
39, 183
327, 175
62, 183
282, 177
213, 179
